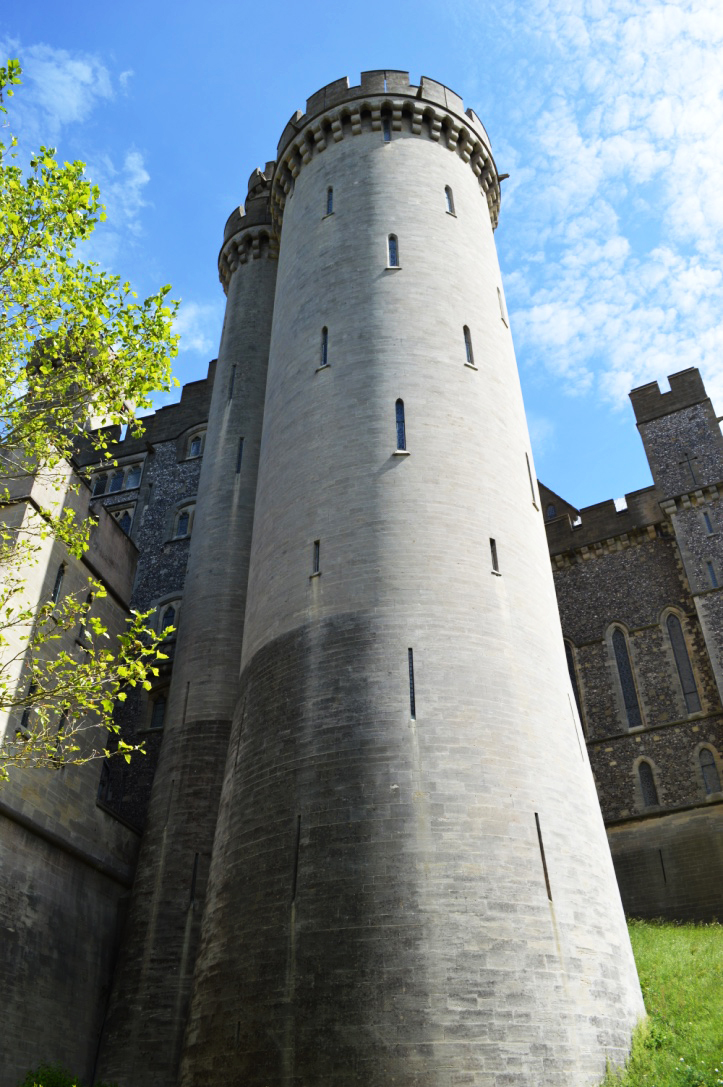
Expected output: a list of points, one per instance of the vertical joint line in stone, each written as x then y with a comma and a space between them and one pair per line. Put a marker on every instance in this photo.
662, 866
239, 455
542, 855
185, 701
295, 869
412, 699
194, 876
232, 382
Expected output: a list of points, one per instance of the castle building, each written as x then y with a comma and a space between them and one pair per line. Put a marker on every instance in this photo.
369, 845
639, 592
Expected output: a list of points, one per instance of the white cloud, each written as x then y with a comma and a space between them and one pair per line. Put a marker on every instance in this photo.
199, 324
122, 191
124, 78
621, 194
59, 89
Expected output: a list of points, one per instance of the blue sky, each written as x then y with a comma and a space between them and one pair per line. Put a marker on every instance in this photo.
606, 113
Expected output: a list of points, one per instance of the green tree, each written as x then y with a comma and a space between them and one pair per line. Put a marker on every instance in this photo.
75, 343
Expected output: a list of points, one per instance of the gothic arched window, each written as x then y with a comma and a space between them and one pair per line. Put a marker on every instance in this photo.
551, 512
401, 428
116, 481
647, 785
569, 654
169, 618
709, 770
55, 595
184, 520
682, 660
99, 485
134, 477
125, 521
627, 680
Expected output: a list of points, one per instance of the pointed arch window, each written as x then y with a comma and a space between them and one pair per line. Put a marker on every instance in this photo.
125, 521
648, 787
469, 354
709, 770
116, 482
682, 660
449, 199
182, 523
134, 477
401, 426
551, 512
393, 245
627, 679
569, 654
330, 201
169, 618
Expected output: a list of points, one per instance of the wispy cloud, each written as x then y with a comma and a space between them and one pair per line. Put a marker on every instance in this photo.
198, 324
618, 274
122, 191
59, 89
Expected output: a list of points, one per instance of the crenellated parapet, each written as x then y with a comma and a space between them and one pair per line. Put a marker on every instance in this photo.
248, 234
338, 111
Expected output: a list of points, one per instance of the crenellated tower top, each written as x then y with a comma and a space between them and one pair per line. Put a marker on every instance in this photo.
339, 110
335, 112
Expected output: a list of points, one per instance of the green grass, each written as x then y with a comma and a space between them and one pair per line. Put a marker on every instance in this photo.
681, 975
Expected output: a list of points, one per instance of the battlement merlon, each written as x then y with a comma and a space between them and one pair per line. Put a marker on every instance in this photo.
686, 389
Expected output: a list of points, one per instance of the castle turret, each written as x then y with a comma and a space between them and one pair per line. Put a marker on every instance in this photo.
411, 882
147, 1015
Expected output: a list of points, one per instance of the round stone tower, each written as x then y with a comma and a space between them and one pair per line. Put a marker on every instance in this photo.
411, 882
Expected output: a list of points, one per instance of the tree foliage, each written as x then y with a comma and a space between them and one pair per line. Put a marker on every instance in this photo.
75, 343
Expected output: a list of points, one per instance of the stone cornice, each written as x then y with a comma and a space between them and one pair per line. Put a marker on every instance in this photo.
310, 136
249, 243
621, 542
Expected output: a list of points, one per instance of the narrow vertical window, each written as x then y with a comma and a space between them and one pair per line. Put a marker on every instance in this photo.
708, 523
195, 447
493, 556
231, 382
169, 618
401, 427
239, 455
503, 312
55, 595
159, 712
532, 485
393, 251
709, 770
449, 200
386, 129
469, 356
329, 200
627, 680
316, 558
647, 785
573, 676
712, 575
182, 524
542, 856
682, 660
412, 698
324, 347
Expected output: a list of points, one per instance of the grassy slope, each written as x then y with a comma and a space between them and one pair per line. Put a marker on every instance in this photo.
681, 974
